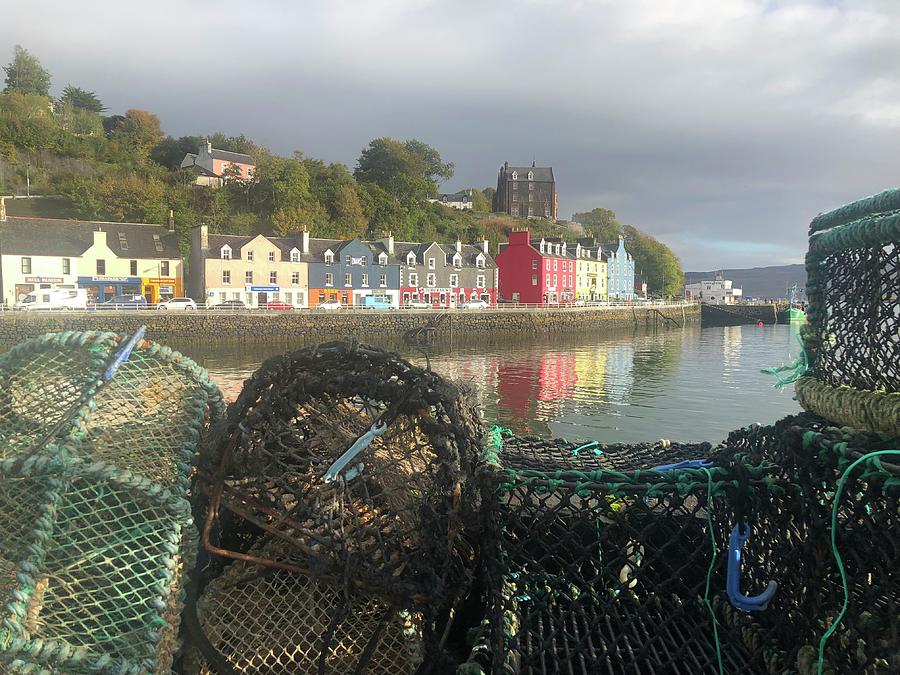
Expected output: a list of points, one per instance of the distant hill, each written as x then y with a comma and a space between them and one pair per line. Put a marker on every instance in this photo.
758, 282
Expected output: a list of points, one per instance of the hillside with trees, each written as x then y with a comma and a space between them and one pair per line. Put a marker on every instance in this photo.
123, 167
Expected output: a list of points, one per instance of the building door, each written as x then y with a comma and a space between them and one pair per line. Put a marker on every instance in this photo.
262, 299
148, 294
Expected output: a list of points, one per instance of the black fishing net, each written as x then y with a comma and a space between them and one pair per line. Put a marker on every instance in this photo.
601, 559
361, 466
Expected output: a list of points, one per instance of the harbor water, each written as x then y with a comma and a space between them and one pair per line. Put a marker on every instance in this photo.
690, 384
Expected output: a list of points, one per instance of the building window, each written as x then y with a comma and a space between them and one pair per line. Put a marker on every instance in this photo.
329, 280
382, 280
226, 276
454, 280
431, 280
530, 186
431, 263
534, 279
365, 279
250, 256
295, 278
101, 265
548, 280
555, 280
67, 266
555, 264
529, 211
410, 259
365, 260
547, 211
548, 264
164, 268
479, 262
248, 277
289, 298
348, 260
347, 279
226, 252
273, 277
534, 264
531, 199
271, 256
329, 258
295, 256
457, 261
531, 175
479, 281
26, 265
515, 175
514, 211
413, 279
132, 267
382, 259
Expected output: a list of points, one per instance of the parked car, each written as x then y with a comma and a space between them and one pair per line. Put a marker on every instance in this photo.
229, 304
178, 304
418, 304
279, 305
124, 302
474, 304
377, 302
330, 305
56, 298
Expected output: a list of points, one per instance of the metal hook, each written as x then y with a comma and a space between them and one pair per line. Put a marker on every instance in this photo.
747, 603
361, 443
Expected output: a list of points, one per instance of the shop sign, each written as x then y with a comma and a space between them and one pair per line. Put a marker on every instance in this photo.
110, 280
264, 289
44, 280
161, 280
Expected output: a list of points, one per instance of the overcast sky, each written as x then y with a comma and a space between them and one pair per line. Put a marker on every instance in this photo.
720, 126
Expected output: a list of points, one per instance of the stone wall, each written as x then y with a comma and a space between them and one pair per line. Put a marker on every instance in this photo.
737, 315
217, 326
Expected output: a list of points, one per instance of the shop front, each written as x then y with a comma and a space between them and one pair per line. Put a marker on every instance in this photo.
160, 289
39, 283
102, 288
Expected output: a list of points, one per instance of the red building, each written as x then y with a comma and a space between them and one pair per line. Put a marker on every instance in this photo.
541, 273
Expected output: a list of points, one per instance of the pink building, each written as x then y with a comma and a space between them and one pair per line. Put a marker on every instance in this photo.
213, 166
541, 273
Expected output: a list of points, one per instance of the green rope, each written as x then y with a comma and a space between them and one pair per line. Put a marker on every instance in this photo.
794, 371
837, 555
712, 564
592, 444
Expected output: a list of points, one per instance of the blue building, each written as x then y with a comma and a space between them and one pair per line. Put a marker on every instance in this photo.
620, 270
348, 271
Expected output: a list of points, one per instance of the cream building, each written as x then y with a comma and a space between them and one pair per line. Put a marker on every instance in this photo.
256, 270
591, 271
107, 259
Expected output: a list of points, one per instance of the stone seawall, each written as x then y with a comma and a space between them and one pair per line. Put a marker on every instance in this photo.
217, 326
737, 315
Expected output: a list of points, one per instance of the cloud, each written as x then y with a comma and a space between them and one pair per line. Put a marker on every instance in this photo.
700, 121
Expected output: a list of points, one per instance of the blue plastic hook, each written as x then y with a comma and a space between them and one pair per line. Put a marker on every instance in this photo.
361, 443
123, 353
686, 464
747, 603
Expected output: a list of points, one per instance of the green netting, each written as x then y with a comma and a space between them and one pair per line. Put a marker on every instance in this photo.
852, 344
95, 528
595, 562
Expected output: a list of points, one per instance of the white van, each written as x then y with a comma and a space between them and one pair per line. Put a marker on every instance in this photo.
56, 298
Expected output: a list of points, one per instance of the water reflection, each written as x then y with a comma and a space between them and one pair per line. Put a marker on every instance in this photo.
688, 384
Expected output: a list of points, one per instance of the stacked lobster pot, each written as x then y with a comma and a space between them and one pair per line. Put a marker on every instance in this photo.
97, 436
340, 517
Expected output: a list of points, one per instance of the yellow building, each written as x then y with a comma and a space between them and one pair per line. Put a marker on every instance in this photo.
590, 272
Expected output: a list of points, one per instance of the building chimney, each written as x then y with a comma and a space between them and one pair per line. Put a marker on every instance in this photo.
208, 147
388, 241
99, 238
485, 246
304, 240
203, 231
170, 221
458, 246
2, 209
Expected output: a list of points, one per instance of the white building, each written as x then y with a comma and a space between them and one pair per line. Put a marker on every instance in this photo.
106, 259
719, 291
457, 200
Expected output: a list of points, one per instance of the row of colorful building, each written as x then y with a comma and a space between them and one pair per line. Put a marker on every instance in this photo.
109, 260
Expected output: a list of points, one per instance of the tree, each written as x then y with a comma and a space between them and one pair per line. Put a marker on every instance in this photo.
480, 202
140, 129
280, 183
488, 193
655, 260
348, 213
170, 152
406, 171
25, 75
26, 121
600, 223
81, 99
133, 198
111, 123
78, 121
240, 144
